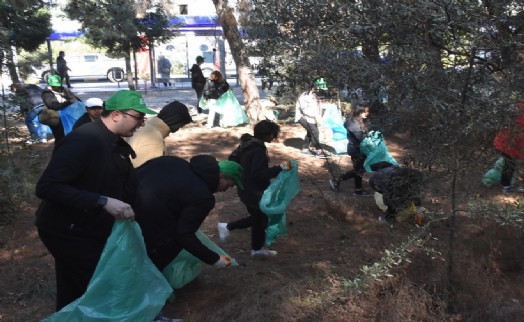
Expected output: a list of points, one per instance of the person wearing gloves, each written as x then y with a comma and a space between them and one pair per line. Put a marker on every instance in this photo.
94, 108
148, 141
55, 98
88, 183
252, 155
174, 198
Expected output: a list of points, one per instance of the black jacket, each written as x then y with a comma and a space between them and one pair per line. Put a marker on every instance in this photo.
213, 90
174, 198
252, 156
51, 102
355, 134
197, 77
84, 119
89, 162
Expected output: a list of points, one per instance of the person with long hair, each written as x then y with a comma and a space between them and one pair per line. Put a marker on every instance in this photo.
215, 87
357, 130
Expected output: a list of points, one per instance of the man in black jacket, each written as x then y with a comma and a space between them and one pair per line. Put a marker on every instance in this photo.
198, 81
88, 183
174, 198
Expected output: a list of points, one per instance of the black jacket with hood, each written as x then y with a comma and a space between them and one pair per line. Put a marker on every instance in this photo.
197, 77
252, 155
174, 198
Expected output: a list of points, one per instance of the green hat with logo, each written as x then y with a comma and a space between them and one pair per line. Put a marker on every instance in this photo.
127, 100
320, 83
232, 170
54, 80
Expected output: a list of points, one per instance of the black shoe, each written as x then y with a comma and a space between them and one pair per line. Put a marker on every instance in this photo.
361, 193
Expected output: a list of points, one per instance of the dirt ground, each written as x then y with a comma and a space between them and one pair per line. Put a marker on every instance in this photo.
331, 236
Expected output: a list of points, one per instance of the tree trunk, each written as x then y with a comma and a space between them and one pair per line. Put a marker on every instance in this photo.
11, 65
255, 111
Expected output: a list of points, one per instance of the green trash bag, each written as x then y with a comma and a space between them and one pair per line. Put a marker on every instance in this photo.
276, 199
375, 149
186, 267
230, 110
493, 175
126, 285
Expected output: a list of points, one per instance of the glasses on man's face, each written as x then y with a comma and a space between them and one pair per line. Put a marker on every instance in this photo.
138, 119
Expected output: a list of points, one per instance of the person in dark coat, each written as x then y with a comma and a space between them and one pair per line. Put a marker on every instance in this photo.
357, 130
253, 157
174, 198
55, 98
94, 107
62, 68
215, 87
198, 81
88, 183
399, 187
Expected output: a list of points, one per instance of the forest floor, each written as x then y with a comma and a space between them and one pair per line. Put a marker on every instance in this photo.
454, 268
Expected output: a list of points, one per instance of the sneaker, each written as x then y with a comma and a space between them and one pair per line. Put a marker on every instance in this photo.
321, 154
509, 189
335, 184
163, 318
263, 252
307, 152
223, 232
361, 193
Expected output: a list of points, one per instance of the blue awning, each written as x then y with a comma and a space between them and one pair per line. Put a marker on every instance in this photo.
196, 24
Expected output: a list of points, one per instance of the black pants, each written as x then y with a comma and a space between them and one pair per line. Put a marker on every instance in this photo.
258, 223
312, 134
507, 170
75, 262
58, 131
199, 91
357, 172
64, 75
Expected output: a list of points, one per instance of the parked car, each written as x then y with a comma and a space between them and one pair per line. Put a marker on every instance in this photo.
90, 66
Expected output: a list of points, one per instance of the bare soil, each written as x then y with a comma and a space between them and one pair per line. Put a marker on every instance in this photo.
331, 236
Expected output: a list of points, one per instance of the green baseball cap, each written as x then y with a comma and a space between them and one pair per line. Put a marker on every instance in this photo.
232, 170
54, 80
127, 100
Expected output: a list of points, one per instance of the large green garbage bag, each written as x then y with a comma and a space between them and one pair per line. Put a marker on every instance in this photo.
70, 114
375, 149
493, 175
126, 285
230, 110
186, 267
276, 199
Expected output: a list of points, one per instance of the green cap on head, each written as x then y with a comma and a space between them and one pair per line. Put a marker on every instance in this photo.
232, 170
54, 80
127, 100
320, 83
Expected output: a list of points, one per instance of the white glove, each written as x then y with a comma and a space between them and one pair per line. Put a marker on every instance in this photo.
223, 261
286, 165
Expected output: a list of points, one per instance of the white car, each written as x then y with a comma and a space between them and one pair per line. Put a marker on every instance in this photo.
90, 66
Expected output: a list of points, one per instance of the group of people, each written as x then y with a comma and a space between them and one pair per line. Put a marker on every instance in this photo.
115, 167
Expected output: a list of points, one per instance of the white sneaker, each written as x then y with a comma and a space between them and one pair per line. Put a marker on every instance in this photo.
223, 232
263, 252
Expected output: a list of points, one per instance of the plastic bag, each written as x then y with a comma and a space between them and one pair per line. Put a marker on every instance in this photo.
493, 175
203, 103
70, 114
186, 267
375, 149
332, 119
276, 199
126, 285
230, 109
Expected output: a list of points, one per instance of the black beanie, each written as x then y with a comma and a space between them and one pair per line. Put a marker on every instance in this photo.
175, 115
